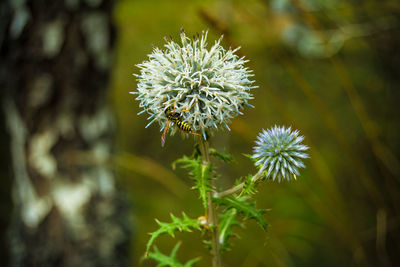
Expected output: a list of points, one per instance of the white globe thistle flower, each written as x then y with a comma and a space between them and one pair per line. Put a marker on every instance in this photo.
213, 83
278, 153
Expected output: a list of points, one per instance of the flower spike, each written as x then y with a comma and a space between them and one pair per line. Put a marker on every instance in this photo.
279, 153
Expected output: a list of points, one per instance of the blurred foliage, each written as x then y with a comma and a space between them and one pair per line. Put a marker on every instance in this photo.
170, 260
327, 68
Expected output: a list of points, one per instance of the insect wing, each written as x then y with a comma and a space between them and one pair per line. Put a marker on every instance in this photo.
164, 134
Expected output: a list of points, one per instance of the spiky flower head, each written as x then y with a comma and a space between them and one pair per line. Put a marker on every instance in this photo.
212, 81
278, 153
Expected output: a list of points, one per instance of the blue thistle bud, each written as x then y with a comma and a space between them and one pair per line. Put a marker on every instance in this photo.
212, 81
278, 153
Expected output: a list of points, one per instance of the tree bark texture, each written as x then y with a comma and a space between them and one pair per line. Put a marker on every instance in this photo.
54, 70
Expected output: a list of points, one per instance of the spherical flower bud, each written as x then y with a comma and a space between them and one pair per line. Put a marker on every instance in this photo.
278, 153
209, 85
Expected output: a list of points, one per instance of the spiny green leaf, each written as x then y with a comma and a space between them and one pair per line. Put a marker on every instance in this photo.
191, 262
221, 155
203, 185
238, 181
227, 221
185, 224
200, 173
189, 163
249, 187
247, 209
171, 260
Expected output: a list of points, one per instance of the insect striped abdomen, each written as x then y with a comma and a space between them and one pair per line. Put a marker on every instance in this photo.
184, 126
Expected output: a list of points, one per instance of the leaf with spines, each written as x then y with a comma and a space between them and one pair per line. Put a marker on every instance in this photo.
170, 260
244, 207
249, 186
227, 221
185, 224
200, 173
221, 155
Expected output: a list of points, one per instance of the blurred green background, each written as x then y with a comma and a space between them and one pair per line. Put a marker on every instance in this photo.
327, 68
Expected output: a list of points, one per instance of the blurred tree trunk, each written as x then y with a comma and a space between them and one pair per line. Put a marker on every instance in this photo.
54, 70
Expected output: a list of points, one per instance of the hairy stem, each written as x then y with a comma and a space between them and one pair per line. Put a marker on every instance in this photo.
211, 213
238, 187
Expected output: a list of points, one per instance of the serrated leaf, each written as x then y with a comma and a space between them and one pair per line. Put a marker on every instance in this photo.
200, 173
203, 185
221, 155
249, 186
170, 260
244, 207
183, 225
227, 221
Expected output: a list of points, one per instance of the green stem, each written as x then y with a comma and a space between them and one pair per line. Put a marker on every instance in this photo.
211, 213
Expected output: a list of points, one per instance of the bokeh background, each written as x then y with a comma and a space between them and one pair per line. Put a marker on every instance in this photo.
329, 68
